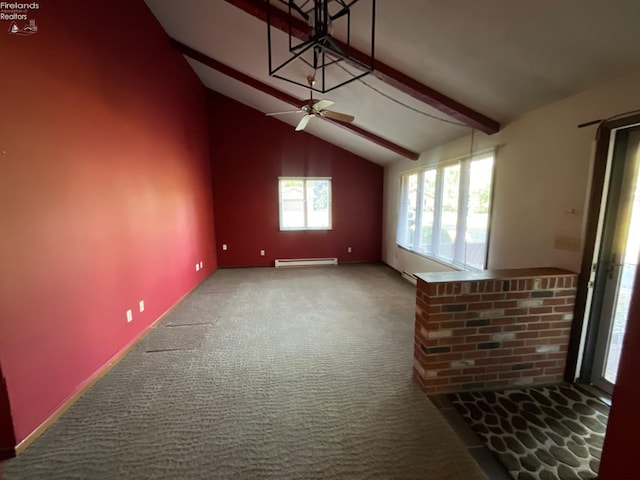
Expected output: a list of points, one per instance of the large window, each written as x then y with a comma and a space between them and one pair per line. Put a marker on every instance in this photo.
305, 203
444, 211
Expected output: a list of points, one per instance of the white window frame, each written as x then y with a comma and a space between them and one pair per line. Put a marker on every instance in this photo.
305, 180
413, 244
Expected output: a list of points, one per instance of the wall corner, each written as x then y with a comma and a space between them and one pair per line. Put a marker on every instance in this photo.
7, 435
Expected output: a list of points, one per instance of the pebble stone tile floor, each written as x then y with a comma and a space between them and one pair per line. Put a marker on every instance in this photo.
541, 433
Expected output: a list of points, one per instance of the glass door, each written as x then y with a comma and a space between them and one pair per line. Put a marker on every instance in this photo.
618, 257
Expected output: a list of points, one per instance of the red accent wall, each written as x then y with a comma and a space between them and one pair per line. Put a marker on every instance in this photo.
250, 151
105, 194
621, 447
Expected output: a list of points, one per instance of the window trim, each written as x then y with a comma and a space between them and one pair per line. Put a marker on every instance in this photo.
465, 162
306, 227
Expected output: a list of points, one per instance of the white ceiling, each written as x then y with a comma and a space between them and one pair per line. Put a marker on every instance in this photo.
501, 58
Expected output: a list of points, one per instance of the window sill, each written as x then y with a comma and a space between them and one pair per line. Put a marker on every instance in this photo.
296, 229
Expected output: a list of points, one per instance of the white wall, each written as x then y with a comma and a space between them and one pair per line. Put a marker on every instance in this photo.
543, 168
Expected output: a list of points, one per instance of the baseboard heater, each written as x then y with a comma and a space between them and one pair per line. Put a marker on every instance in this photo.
410, 277
305, 262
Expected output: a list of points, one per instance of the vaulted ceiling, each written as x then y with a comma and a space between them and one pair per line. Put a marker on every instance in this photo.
481, 64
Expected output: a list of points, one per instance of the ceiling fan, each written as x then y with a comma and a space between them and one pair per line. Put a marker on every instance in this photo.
312, 108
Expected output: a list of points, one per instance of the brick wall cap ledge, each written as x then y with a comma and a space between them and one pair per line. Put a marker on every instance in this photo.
508, 274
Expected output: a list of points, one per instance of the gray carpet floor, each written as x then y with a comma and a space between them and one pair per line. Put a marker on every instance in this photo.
263, 373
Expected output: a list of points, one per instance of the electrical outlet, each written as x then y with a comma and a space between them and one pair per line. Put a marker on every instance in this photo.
224, 246
262, 253
129, 315
197, 267
348, 249
141, 304
537, 283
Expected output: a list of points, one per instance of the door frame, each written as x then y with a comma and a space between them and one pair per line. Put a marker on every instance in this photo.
620, 194
583, 331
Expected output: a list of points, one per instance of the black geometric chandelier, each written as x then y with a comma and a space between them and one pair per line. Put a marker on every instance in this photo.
312, 49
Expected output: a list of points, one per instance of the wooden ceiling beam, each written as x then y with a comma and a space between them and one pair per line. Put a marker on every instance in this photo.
384, 73
285, 97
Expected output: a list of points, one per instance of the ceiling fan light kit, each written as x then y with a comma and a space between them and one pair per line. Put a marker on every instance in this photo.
310, 28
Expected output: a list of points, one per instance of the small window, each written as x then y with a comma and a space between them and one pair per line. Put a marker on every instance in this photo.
305, 203
445, 212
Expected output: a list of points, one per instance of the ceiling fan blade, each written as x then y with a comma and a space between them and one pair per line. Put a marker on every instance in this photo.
303, 122
322, 104
343, 117
282, 113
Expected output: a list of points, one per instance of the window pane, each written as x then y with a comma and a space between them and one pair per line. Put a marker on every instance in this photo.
318, 202
449, 212
407, 214
292, 203
450, 220
305, 203
478, 212
401, 227
428, 211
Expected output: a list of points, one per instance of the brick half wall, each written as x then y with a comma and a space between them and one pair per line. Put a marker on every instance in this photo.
509, 329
